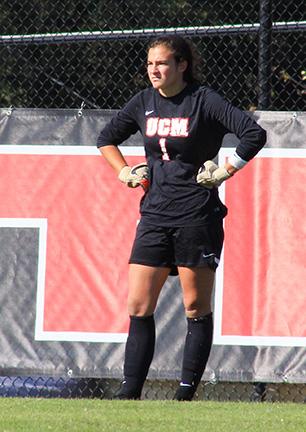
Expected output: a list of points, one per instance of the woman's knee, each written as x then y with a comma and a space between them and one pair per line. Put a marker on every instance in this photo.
140, 307
197, 309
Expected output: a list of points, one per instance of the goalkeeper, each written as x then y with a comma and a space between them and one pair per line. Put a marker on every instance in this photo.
181, 226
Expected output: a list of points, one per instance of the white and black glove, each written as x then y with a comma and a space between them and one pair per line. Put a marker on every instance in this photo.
135, 176
211, 175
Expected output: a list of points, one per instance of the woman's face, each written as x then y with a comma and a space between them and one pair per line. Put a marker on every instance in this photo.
165, 74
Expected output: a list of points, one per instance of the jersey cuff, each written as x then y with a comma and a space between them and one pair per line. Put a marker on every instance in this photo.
236, 161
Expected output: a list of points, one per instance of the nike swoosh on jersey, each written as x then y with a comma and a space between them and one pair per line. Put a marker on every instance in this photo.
149, 112
208, 255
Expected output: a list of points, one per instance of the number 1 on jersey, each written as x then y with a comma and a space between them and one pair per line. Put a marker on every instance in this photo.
162, 143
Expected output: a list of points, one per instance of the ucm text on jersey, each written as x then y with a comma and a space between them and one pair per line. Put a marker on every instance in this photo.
175, 127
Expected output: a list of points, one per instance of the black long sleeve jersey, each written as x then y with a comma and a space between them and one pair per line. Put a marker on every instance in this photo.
180, 133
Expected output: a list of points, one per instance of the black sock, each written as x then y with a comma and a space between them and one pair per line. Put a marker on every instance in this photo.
139, 352
197, 348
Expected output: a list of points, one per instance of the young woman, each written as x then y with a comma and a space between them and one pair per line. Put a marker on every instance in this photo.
181, 227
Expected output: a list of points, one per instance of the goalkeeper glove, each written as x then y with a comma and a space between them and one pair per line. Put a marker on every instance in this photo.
135, 176
210, 175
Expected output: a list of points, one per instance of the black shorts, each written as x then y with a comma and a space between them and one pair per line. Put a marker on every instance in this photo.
189, 246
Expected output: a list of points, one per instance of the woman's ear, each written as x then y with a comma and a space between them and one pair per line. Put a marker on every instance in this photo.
182, 66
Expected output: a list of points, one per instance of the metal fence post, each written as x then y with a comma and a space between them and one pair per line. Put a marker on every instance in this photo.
264, 54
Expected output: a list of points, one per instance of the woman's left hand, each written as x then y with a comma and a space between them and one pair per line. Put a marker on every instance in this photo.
211, 175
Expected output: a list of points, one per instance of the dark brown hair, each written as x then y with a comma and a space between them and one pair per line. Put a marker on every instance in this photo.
181, 50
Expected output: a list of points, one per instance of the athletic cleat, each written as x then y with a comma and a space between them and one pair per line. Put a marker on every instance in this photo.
125, 394
260, 392
185, 392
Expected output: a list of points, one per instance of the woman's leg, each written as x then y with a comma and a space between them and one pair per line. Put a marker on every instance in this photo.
197, 285
145, 284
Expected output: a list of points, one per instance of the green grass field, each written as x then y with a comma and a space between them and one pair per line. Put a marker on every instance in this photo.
63, 415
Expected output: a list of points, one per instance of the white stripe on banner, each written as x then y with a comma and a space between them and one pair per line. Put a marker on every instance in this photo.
66, 150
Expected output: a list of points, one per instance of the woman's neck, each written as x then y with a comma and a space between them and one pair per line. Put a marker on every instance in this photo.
174, 90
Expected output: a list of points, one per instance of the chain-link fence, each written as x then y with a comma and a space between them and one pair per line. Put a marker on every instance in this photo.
51, 387
62, 54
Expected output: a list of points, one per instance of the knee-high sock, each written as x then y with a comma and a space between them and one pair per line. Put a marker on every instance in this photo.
139, 351
197, 348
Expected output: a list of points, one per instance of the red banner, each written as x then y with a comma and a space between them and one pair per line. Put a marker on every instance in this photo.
261, 288
91, 219
87, 221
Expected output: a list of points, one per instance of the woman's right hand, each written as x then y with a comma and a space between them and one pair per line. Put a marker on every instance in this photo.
135, 176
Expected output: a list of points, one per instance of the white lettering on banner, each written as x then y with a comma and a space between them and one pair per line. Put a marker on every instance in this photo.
175, 127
